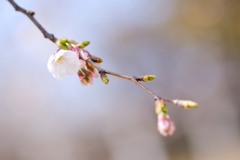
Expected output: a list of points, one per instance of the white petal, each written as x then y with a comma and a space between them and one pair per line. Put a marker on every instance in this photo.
71, 63
50, 63
64, 62
59, 54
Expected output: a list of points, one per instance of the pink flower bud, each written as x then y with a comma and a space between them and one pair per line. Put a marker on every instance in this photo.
165, 125
86, 77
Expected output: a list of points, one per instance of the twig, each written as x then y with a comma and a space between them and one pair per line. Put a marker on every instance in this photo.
165, 125
52, 38
30, 15
133, 79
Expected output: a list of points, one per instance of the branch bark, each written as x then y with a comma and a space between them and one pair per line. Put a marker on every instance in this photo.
165, 124
51, 37
30, 15
133, 79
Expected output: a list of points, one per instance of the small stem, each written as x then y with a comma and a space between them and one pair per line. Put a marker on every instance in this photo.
52, 38
110, 72
30, 15
116, 74
133, 79
156, 97
146, 89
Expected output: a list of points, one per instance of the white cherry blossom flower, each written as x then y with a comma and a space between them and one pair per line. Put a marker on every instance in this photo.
62, 63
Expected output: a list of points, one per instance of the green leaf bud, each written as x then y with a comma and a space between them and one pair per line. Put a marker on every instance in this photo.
148, 78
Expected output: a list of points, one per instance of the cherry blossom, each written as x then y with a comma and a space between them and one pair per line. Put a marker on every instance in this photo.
62, 63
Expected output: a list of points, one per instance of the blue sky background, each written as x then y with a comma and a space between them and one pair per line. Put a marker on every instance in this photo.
41, 118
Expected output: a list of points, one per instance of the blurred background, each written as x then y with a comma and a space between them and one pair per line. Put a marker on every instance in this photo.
191, 46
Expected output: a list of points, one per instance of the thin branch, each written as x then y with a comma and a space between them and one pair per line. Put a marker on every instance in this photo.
52, 38
30, 15
155, 96
166, 125
133, 79
111, 73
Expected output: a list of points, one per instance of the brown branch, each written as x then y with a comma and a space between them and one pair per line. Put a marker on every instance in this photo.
160, 106
133, 79
30, 15
52, 38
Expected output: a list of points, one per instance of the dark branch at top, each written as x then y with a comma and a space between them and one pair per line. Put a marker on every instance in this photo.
30, 15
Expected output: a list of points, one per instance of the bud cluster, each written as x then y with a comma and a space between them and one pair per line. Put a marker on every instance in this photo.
71, 58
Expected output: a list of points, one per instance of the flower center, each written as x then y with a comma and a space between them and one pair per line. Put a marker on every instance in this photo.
60, 60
